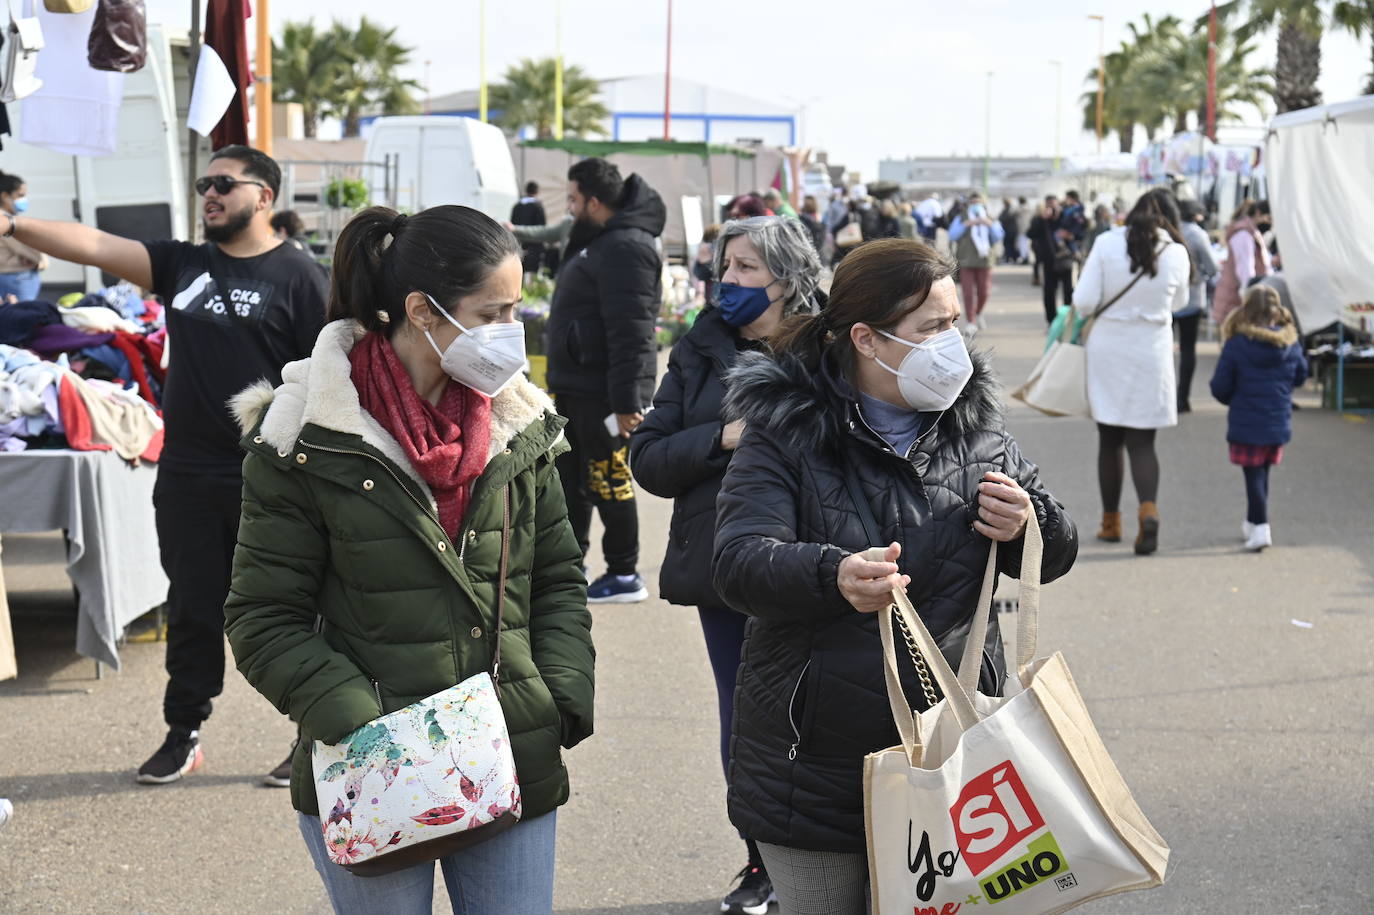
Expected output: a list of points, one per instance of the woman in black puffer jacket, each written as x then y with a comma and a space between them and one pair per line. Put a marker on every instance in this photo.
876, 395
767, 270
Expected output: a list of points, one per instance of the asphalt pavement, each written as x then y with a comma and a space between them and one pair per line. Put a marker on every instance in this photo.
1233, 689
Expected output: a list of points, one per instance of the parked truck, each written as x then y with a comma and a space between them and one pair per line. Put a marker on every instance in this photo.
442, 159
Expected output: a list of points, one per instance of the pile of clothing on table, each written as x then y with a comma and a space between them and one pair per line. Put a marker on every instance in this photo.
85, 374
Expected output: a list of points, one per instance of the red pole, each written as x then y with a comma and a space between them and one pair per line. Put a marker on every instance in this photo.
668, 79
1212, 74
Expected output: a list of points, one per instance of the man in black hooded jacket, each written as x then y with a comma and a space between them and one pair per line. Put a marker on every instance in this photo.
603, 358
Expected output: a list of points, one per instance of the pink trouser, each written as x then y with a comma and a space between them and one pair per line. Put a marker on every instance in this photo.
976, 282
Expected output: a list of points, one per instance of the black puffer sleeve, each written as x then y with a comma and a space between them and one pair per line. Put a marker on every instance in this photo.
759, 566
1056, 527
668, 457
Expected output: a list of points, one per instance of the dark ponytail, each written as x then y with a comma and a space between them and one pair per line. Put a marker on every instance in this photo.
446, 251
1155, 210
10, 183
804, 336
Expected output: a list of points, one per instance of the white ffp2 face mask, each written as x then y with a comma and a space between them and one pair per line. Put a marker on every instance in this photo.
933, 374
485, 358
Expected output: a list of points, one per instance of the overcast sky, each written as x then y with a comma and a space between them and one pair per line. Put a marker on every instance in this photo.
878, 78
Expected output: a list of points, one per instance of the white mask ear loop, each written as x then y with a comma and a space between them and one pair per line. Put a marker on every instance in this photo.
451, 319
880, 362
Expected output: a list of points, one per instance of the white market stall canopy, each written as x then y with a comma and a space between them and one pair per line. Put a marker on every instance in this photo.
1321, 189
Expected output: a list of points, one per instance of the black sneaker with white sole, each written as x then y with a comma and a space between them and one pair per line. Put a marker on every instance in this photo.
280, 777
179, 755
752, 896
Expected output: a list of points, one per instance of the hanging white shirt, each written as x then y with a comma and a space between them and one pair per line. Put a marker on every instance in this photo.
77, 110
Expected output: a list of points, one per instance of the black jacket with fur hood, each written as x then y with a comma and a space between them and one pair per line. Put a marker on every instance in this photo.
810, 700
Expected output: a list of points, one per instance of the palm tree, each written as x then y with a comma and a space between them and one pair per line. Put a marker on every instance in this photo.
526, 99
305, 67
1126, 101
1298, 62
1357, 17
1174, 72
368, 78
1122, 109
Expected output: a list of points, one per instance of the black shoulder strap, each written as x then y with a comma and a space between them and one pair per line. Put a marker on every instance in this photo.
856, 494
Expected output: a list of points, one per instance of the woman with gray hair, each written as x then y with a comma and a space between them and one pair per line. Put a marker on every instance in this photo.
767, 270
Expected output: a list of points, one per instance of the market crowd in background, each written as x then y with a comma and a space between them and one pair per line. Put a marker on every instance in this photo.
801, 313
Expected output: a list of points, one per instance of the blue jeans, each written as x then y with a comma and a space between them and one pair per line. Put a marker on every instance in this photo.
511, 874
22, 285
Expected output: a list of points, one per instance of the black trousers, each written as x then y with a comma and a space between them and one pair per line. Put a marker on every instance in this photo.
1187, 355
596, 473
1051, 283
197, 528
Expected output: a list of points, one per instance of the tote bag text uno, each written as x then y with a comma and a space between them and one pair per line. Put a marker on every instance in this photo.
993, 819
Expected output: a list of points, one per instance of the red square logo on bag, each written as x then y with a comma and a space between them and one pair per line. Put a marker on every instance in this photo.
993, 815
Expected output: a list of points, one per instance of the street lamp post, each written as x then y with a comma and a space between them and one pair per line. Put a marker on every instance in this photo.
482, 60
987, 139
262, 90
1101, 72
668, 80
558, 69
1058, 107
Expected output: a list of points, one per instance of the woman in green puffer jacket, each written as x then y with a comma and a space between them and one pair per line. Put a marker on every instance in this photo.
374, 505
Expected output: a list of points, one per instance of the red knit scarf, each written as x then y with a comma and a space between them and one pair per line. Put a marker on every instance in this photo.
447, 445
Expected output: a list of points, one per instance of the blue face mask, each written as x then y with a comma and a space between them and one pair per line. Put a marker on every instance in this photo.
21, 205
741, 305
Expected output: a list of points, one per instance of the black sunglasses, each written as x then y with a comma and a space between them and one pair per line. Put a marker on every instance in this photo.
222, 184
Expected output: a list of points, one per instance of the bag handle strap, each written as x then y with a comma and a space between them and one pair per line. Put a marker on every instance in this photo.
501, 584
1027, 615
957, 688
1028, 599
1116, 298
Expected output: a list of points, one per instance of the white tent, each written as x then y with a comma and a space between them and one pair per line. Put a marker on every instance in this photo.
1320, 164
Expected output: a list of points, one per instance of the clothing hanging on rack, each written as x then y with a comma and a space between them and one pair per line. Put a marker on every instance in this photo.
77, 110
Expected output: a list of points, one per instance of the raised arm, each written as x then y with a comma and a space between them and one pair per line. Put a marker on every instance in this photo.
81, 244
556, 232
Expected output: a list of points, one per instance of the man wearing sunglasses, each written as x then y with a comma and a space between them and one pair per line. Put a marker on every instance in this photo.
239, 307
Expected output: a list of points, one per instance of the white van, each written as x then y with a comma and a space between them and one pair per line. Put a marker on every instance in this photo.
442, 159
137, 192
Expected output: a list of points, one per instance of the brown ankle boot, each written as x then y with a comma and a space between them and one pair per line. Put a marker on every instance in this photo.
1147, 541
1111, 527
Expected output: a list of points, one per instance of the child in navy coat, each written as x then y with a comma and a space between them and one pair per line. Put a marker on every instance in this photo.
1261, 363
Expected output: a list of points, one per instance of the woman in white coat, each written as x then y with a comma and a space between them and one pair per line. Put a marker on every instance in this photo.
1137, 276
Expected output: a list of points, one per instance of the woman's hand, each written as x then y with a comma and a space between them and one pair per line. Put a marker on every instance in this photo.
730, 434
868, 585
1004, 508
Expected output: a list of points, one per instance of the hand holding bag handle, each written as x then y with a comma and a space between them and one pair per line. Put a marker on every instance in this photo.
1028, 613
959, 699
1027, 625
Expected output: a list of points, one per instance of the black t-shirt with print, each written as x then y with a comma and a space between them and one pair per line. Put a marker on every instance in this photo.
222, 342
